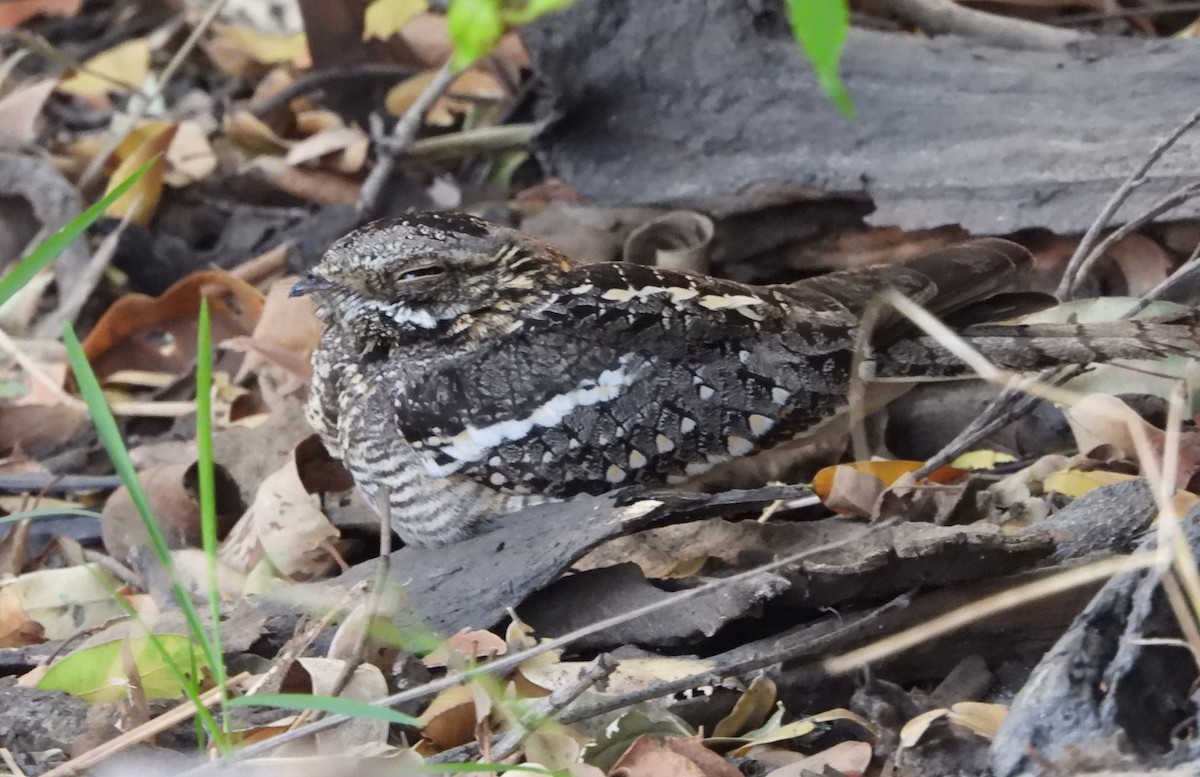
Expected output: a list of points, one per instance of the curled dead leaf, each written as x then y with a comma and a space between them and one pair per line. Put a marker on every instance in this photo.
159, 333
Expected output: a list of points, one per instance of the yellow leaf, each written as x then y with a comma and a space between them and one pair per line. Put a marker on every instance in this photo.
982, 459
1076, 483
144, 143
384, 18
983, 719
127, 63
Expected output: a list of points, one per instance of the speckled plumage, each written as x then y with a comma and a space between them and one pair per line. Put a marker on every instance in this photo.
468, 370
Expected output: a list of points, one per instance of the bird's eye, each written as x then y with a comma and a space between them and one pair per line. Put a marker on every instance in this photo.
421, 272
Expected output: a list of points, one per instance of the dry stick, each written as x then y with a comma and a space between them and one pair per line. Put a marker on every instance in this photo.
401, 138
945, 16
96, 166
514, 660
473, 141
1135, 179
986, 607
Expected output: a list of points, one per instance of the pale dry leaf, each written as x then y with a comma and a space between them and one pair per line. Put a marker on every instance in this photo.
385, 18
284, 526
19, 113
1104, 420
126, 63
190, 157
66, 601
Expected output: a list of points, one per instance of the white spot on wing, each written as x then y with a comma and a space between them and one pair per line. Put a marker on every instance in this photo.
614, 474
780, 396
706, 392
687, 425
738, 446
637, 460
760, 424
664, 443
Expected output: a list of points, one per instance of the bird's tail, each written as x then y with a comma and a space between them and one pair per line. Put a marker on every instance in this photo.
1030, 347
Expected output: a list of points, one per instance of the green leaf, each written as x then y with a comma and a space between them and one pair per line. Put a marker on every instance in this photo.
475, 28
97, 674
49, 249
820, 28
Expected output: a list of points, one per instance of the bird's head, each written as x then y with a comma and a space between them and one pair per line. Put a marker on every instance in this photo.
428, 273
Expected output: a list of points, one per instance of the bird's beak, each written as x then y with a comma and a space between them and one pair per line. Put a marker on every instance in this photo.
309, 283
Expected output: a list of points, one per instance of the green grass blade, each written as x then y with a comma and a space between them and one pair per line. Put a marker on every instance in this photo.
49, 249
334, 704
114, 445
207, 484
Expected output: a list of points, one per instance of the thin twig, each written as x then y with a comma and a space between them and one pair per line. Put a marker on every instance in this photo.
401, 138
947, 17
1138, 177
1168, 203
96, 166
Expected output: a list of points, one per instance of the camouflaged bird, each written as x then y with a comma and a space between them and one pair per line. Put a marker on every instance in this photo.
467, 370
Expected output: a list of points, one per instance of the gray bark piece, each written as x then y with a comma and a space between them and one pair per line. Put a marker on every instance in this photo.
1104, 698
690, 99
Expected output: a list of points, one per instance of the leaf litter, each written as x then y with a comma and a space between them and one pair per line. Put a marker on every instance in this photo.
258, 145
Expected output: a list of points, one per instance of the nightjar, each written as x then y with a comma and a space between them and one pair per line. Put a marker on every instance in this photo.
467, 370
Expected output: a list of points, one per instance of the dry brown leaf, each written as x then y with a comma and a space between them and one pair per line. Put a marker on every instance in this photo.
16, 628
126, 63
445, 112
648, 757
14, 12
343, 148
147, 142
449, 720
848, 758
19, 113
469, 645
159, 333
